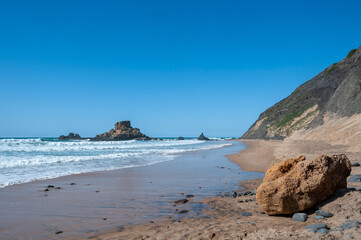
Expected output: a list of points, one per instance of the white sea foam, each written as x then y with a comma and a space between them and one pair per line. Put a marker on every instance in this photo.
24, 160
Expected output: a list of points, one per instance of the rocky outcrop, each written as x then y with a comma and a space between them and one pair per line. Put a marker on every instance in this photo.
181, 138
122, 131
71, 136
336, 90
203, 138
294, 185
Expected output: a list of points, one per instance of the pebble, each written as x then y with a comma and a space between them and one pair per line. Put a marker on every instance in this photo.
245, 214
183, 211
46, 190
50, 186
252, 223
355, 178
350, 236
262, 213
300, 217
355, 164
349, 224
316, 226
324, 214
58, 232
181, 201
72, 183
189, 195
318, 217
322, 230
57, 188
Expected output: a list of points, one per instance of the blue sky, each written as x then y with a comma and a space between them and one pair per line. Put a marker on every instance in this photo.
171, 67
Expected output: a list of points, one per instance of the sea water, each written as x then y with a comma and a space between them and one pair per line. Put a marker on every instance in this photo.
29, 159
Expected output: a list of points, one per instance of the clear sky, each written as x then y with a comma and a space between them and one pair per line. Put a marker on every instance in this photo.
171, 67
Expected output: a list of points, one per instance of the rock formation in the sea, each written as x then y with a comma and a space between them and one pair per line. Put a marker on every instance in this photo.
294, 185
181, 138
336, 91
122, 131
71, 136
202, 137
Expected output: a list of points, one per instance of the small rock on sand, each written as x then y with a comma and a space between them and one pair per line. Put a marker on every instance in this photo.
181, 201
246, 214
316, 226
322, 230
355, 178
324, 214
350, 224
318, 217
300, 217
355, 164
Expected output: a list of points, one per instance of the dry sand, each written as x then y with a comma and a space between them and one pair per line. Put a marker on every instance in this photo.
224, 220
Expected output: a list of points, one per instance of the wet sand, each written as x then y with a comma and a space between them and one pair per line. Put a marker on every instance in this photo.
225, 220
104, 202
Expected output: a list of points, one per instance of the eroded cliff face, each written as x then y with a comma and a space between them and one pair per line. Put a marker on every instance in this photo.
336, 90
122, 131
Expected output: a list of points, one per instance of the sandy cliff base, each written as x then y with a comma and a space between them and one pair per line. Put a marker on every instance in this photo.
225, 220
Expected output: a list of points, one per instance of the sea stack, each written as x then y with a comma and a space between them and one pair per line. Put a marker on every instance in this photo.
122, 131
71, 136
203, 138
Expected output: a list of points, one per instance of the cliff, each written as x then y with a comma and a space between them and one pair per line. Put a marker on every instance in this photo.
333, 92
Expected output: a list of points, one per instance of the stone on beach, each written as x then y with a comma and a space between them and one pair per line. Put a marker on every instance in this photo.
355, 178
355, 164
350, 224
324, 214
294, 185
300, 217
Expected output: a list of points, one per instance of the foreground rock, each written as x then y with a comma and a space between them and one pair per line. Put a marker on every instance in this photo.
203, 138
294, 185
122, 131
71, 136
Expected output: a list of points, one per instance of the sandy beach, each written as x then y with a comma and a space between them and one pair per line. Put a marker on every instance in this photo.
225, 220
139, 203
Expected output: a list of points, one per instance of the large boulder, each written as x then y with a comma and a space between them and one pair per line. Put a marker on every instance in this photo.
122, 131
294, 185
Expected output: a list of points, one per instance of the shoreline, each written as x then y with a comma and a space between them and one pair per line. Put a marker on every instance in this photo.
101, 202
220, 216
225, 219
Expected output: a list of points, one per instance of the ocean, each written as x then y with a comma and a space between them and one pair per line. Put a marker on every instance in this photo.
28, 159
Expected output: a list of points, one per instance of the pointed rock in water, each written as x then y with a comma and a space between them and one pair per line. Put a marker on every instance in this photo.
294, 185
203, 138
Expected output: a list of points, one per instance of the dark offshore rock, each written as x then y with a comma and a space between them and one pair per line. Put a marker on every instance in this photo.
71, 136
294, 185
202, 137
122, 131
181, 138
